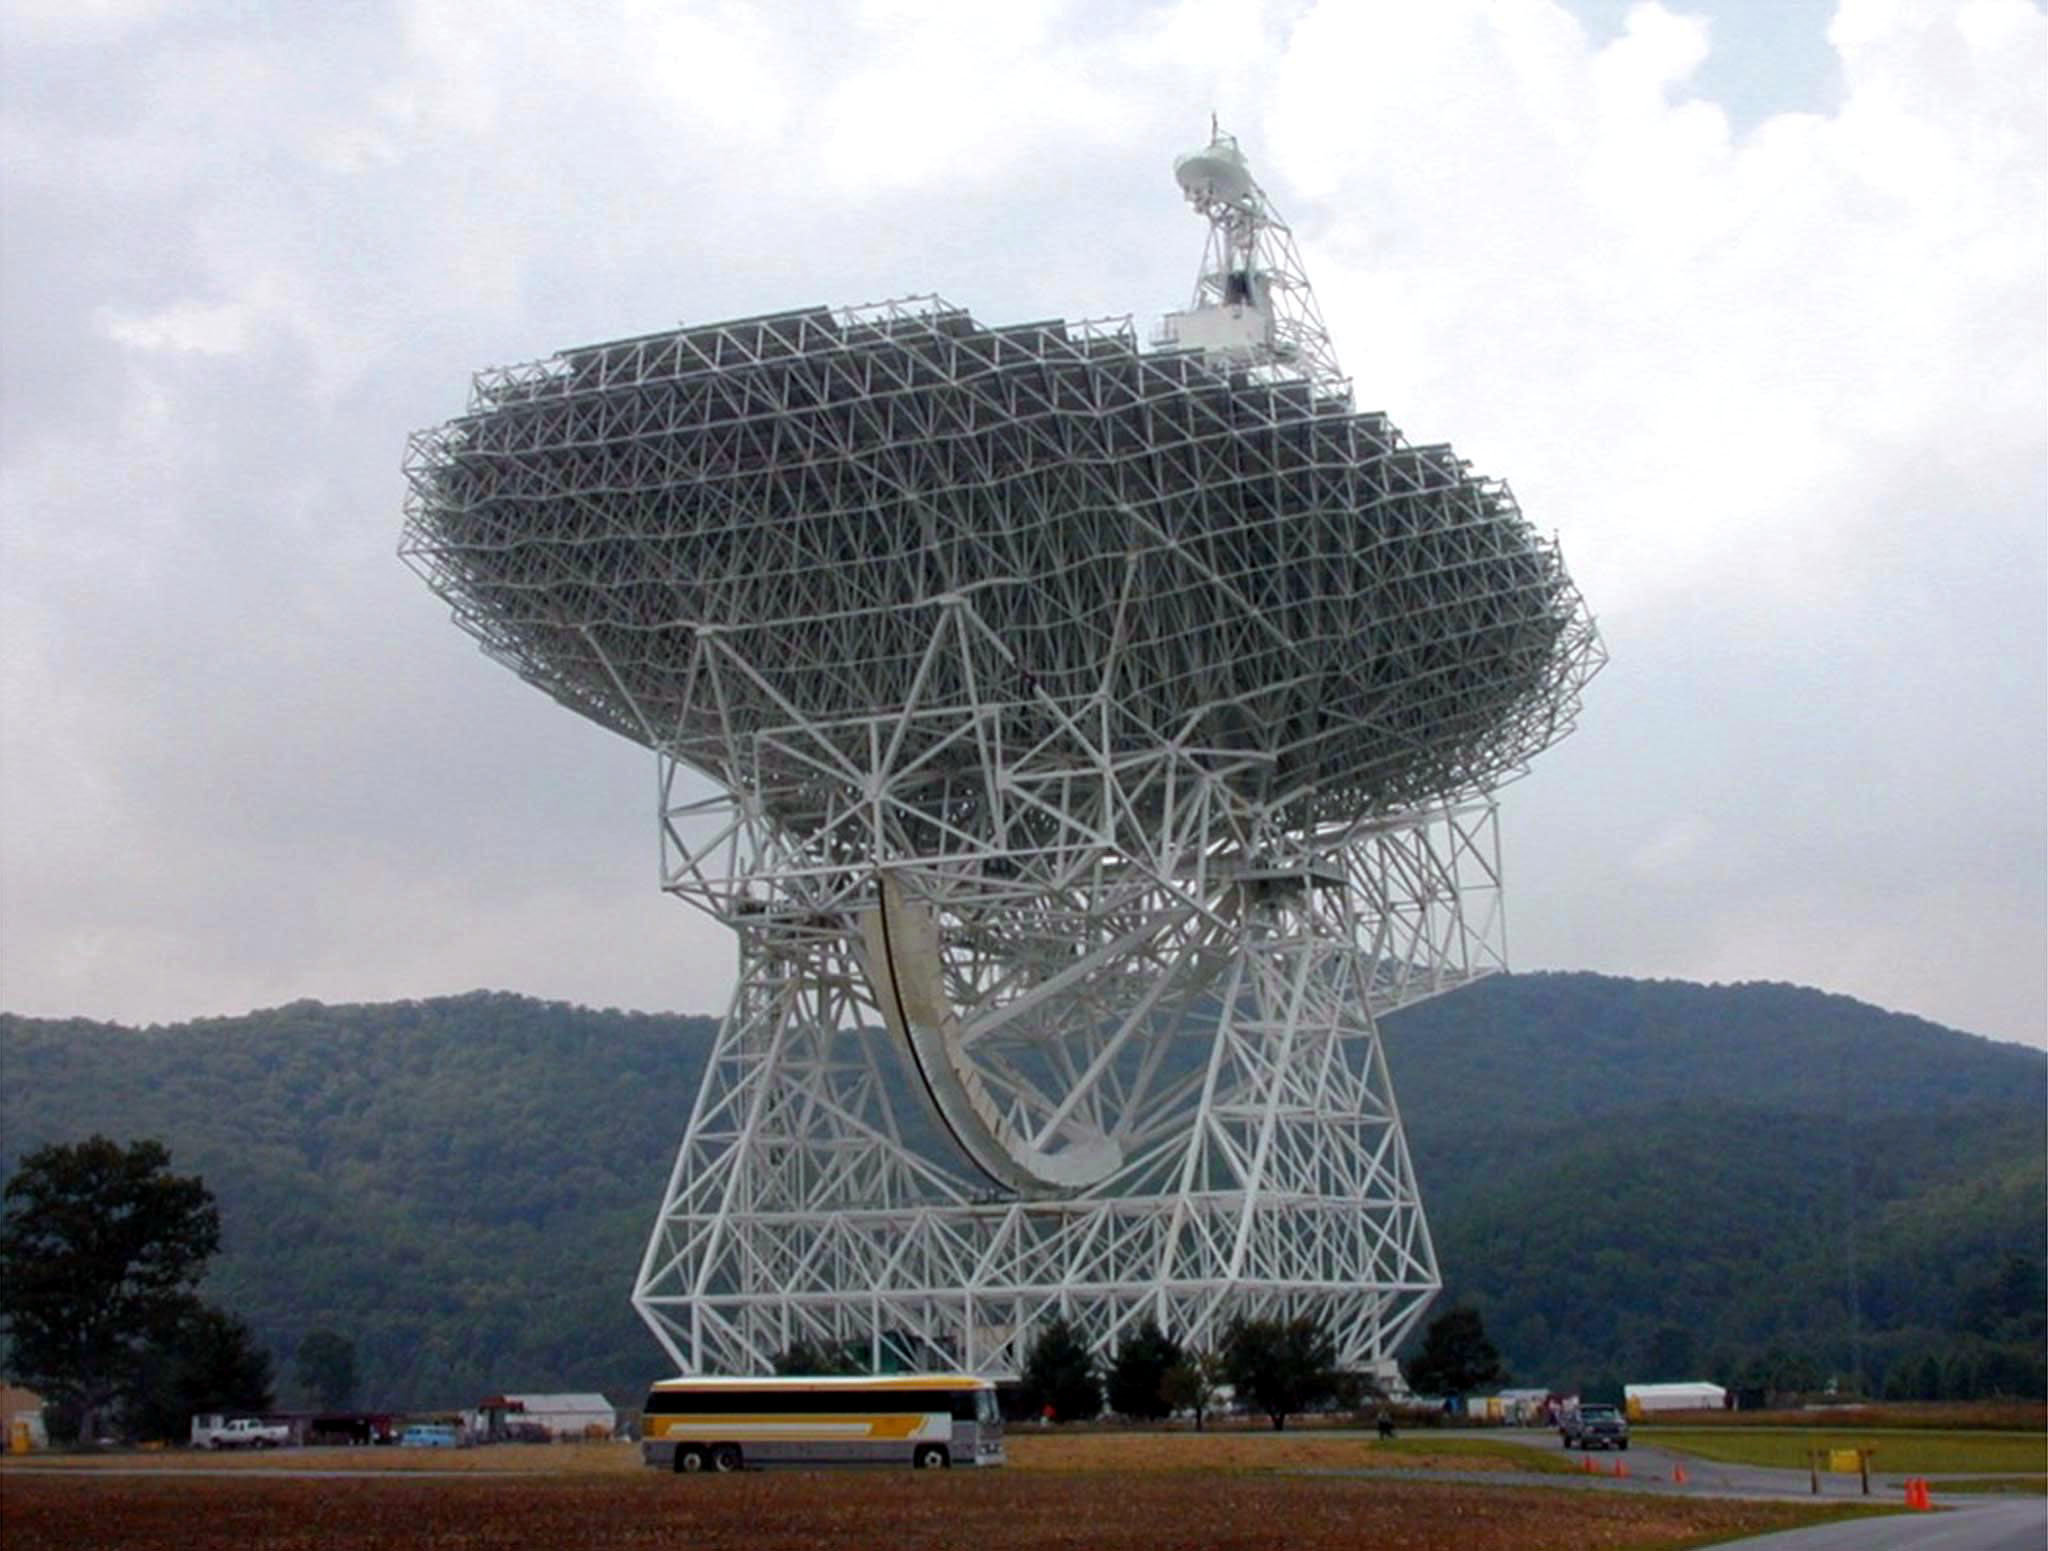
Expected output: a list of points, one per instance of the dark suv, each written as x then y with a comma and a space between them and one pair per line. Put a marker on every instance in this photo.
1594, 1427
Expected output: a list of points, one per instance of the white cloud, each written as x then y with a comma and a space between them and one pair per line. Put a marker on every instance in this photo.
1781, 390
220, 329
1733, 327
71, 22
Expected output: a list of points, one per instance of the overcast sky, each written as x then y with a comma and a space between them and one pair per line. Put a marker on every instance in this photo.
1746, 300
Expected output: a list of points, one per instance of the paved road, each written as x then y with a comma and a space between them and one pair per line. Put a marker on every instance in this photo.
1997, 1524
1657, 1470
1963, 1521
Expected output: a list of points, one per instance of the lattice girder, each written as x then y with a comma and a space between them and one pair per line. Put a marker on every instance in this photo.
1245, 568
1104, 740
1265, 1169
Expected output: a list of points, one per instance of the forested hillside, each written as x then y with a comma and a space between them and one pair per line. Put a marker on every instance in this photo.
1630, 1179
462, 1186
1762, 1183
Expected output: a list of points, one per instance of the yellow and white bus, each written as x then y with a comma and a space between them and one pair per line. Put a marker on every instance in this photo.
928, 1420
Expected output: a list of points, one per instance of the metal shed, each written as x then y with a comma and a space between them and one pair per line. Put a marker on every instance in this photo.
1689, 1395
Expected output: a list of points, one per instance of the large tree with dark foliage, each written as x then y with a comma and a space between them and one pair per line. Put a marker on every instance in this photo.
1137, 1379
1456, 1357
1059, 1371
207, 1362
2010, 1304
1281, 1366
100, 1248
1191, 1383
325, 1365
806, 1359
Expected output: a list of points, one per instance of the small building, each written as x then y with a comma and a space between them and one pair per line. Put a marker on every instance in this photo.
544, 1418
21, 1420
1691, 1395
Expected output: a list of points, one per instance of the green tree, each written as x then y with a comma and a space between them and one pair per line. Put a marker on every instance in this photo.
809, 1358
2009, 1304
1456, 1357
1136, 1379
100, 1248
209, 1361
1191, 1383
1059, 1371
1784, 1375
1927, 1383
325, 1365
1281, 1366
1671, 1353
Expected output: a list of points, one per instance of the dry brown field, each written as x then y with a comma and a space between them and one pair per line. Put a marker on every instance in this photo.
581, 1503
1156, 1451
1060, 1452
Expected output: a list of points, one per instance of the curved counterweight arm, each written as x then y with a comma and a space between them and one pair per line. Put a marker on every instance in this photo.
906, 968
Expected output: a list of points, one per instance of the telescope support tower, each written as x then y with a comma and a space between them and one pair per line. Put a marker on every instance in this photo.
1194, 995
1098, 742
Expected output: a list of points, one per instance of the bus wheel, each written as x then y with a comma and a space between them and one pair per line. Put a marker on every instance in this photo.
689, 1459
725, 1458
931, 1457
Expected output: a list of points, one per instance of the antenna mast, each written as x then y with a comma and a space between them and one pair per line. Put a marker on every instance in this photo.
1253, 307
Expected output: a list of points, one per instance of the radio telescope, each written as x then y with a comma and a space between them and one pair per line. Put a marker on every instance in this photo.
1100, 740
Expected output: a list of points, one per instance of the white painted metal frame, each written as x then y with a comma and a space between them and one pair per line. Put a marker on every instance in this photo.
1103, 741
1206, 998
1251, 262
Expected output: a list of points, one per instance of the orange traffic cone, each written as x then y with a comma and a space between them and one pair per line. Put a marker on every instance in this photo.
1678, 1474
1587, 1461
1620, 1466
1916, 1493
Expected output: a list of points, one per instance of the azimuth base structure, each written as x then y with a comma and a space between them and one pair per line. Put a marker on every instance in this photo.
1098, 742
1175, 1102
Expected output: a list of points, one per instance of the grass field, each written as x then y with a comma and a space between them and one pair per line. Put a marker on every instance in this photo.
1898, 1449
2008, 1486
2010, 1416
562, 1498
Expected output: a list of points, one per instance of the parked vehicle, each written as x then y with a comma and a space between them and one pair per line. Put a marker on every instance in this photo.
353, 1427
214, 1431
1594, 1427
927, 1420
430, 1435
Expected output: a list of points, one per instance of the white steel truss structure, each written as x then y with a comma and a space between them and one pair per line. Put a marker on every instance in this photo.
1253, 305
1103, 741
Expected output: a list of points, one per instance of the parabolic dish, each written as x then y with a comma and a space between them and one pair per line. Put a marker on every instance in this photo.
1217, 172
1336, 623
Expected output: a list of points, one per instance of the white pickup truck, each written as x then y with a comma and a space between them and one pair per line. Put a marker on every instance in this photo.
241, 1432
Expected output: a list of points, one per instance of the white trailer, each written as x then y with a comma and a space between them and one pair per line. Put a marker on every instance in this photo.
1692, 1395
